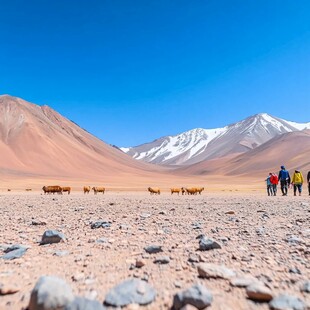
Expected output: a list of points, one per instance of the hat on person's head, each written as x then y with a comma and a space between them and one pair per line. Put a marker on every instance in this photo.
282, 167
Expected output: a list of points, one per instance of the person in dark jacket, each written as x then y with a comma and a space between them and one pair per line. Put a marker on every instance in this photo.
285, 180
308, 180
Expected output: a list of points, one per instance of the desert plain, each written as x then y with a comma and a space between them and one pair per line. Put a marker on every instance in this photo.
262, 241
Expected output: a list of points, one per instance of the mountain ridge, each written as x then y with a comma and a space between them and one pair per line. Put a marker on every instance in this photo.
200, 144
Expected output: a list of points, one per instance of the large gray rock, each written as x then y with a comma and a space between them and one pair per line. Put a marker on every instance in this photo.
198, 296
206, 270
14, 247
50, 293
14, 251
206, 244
287, 302
80, 303
52, 236
132, 291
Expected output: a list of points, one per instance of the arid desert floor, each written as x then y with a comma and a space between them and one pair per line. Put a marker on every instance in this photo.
263, 239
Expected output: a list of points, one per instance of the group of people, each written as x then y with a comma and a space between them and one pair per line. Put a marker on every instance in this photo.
285, 182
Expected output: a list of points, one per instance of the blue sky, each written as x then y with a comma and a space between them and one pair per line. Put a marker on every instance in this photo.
131, 71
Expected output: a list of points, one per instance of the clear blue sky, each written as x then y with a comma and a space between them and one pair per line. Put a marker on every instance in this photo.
131, 71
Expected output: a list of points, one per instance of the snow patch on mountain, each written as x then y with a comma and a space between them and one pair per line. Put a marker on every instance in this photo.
299, 126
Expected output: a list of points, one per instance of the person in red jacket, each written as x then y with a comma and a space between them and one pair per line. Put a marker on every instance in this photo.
274, 181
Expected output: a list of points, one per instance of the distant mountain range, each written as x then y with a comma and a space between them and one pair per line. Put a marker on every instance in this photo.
200, 144
38, 144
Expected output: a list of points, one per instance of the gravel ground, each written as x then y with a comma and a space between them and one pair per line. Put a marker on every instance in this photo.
263, 239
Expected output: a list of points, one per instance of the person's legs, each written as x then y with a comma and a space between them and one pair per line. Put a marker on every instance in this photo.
268, 190
295, 189
285, 188
274, 187
282, 187
299, 188
309, 188
271, 190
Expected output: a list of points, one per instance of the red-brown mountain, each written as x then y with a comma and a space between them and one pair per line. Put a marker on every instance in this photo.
37, 142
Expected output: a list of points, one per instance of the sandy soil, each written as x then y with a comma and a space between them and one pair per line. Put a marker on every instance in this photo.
252, 229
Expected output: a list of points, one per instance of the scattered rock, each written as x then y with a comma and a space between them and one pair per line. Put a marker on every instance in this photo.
52, 236
8, 289
206, 270
196, 225
294, 240
287, 302
102, 240
259, 292
260, 231
198, 296
14, 247
140, 263
294, 270
230, 212
130, 291
305, 287
162, 260
177, 284
242, 281
14, 251
153, 249
193, 258
50, 293
206, 244
145, 215
100, 224
38, 223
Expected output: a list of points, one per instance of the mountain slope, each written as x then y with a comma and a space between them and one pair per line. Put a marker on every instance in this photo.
290, 149
202, 144
38, 142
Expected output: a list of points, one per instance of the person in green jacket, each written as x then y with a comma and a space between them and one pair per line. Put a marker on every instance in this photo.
297, 181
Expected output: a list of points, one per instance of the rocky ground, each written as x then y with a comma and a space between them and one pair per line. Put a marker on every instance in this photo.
232, 251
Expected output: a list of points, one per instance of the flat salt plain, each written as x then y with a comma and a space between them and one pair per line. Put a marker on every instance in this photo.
267, 238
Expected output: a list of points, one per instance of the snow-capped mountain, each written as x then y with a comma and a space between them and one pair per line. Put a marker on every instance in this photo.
200, 144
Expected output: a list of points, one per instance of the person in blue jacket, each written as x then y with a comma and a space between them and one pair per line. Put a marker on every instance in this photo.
285, 180
269, 185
